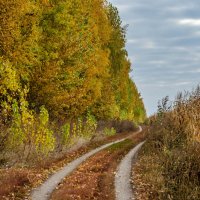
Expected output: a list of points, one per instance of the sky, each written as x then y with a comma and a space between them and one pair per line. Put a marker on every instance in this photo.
163, 43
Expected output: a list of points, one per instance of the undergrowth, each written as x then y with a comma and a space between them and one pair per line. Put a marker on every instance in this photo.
169, 166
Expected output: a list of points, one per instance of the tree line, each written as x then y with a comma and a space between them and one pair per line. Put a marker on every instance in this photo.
63, 60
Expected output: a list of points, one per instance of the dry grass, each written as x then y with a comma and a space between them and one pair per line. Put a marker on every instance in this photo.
169, 164
14, 183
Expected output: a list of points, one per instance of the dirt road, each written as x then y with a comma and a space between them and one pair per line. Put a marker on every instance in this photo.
45, 190
123, 187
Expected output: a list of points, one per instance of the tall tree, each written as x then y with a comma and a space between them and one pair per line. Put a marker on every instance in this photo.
74, 58
19, 34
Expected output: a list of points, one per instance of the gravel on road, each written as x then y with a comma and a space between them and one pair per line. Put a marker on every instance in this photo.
44, 191
123, 189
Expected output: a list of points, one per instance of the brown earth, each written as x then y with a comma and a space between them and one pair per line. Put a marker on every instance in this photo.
16, 182
94, 179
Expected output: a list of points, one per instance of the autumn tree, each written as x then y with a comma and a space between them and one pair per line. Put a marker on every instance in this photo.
74, 58
126, 95
19, 35
62, 61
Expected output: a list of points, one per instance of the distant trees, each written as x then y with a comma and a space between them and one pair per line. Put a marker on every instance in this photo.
127, 98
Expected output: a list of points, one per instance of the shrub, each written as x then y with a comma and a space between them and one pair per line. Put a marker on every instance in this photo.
44, 139
171, 153
65, 134
109, 131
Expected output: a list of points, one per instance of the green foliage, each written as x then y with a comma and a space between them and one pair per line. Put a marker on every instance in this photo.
28, 132
24, 130
120, 145
84, 127
10, 89
90, 125
71, 56
65, 134
17, 136
44, 139
109, 131
74, 58
127, 98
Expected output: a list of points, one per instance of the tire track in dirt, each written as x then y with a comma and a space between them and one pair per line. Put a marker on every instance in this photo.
94, 179
123, 187
44, 191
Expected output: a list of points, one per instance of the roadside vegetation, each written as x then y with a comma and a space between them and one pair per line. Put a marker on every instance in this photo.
168, 166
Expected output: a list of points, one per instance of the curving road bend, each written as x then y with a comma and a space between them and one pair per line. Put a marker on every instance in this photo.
44, 191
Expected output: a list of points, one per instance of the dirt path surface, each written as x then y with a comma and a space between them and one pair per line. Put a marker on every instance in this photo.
44, 191
123, 188
94, 179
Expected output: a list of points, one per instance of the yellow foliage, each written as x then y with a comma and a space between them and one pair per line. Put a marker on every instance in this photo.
68, 56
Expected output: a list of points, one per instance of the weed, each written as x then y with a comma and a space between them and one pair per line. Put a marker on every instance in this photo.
109, 131
169, 162
121, 145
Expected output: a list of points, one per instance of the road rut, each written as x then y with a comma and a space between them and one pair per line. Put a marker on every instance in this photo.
44, 191
123, 188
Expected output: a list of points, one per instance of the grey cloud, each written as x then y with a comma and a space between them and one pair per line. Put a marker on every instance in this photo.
163, 43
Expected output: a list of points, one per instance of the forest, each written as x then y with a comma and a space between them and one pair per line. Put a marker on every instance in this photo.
63, 68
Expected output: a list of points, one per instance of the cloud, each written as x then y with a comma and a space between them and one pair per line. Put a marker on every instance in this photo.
197, 33
195, 70
132, 41
158, 62
142, 43
149, 45
182, 83
189, 22
163, 43
178, 8
123, 7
